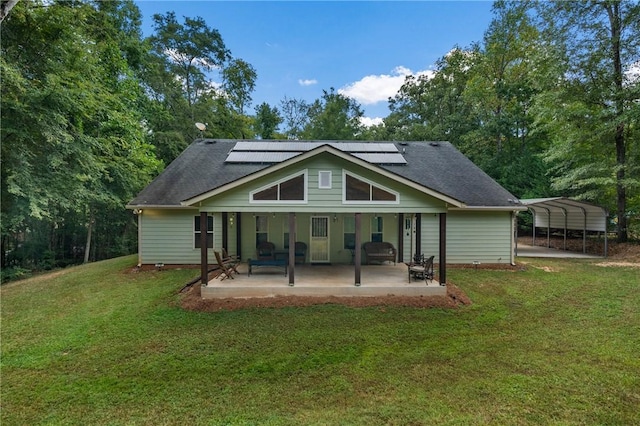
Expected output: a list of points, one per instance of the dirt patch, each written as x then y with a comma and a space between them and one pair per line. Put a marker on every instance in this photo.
620, 264
192, 301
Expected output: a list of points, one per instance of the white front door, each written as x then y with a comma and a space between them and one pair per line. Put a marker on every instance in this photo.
319, 250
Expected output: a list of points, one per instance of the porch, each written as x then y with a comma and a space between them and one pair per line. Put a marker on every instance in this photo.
322, 280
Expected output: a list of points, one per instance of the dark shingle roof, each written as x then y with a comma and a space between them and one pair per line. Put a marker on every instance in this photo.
436, 165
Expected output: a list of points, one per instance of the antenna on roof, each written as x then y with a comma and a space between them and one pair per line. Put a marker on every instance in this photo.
202, 127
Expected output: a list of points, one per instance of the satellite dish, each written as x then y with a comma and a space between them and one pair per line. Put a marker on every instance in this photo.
201, 126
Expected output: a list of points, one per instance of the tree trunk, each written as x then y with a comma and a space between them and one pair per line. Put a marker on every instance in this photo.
5, 8
615, 21
87, 247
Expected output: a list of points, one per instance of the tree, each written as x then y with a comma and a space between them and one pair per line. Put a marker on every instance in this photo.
239, 80
431, 106
294, 115
266, 121
193, 50
334, 116
72, 139
590, 111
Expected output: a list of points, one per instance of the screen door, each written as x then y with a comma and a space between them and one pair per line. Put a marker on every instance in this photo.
319, 250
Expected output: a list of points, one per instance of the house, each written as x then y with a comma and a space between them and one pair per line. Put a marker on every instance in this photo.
422, 197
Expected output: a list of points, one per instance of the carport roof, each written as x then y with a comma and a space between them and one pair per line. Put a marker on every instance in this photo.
578, 214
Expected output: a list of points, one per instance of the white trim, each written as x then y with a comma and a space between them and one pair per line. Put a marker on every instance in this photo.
327, 175
372, 184
305, 184
313, 153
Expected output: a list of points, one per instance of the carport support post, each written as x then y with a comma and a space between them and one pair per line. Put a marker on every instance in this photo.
204, 262
358, 255
443, 249
292, 247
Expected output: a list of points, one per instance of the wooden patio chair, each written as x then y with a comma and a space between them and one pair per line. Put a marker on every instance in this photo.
232, 260
226, 270
421, 268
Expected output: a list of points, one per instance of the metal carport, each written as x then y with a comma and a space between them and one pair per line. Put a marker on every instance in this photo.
567, 214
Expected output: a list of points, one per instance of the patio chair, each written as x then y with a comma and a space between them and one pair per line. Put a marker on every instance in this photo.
421, 268
226, 270
300, 252
232, 260
266, 251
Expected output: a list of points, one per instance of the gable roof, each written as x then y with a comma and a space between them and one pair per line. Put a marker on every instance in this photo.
438, 168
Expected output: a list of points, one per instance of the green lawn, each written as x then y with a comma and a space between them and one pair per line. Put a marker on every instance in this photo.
97, 345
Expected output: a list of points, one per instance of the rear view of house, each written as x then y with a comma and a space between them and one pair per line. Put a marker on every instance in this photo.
420, 198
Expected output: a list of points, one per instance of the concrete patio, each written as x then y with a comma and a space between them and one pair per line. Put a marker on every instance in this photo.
322, 280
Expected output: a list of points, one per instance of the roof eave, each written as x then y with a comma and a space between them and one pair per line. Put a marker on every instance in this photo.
489, 208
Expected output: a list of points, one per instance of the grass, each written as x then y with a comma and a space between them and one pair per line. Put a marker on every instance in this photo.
97, 345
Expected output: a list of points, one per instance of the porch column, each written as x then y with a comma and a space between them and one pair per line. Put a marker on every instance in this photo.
358, 255
443, 249
400, 237
225, 231
418, 236
238, 235
204, 262
292, 247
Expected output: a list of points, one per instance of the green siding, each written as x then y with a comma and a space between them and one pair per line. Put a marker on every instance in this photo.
471, 236
324, 200
482, 236
168, 237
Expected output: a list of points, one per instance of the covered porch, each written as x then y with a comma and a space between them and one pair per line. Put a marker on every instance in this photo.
323, 280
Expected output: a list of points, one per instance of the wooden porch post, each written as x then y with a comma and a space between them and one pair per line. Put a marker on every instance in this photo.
238, 236
443, 249
418, 235
358, 255
292, 247
400, 237
225, 230
204, 262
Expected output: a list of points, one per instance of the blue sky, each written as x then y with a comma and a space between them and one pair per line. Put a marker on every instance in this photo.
363, 49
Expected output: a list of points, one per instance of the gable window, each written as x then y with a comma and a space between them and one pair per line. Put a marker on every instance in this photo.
292, 189
360, 190
324, 179
197, 232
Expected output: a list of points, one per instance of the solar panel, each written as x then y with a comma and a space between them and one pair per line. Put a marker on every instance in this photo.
259, 157
377, 158
307, 146
275, 152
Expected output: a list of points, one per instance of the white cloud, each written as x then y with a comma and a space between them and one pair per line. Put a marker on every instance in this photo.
369, 121
307, 82
372, 89
632, 73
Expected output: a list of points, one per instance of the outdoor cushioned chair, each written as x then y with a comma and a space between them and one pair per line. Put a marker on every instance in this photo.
421, 268
266, 251
301, 251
